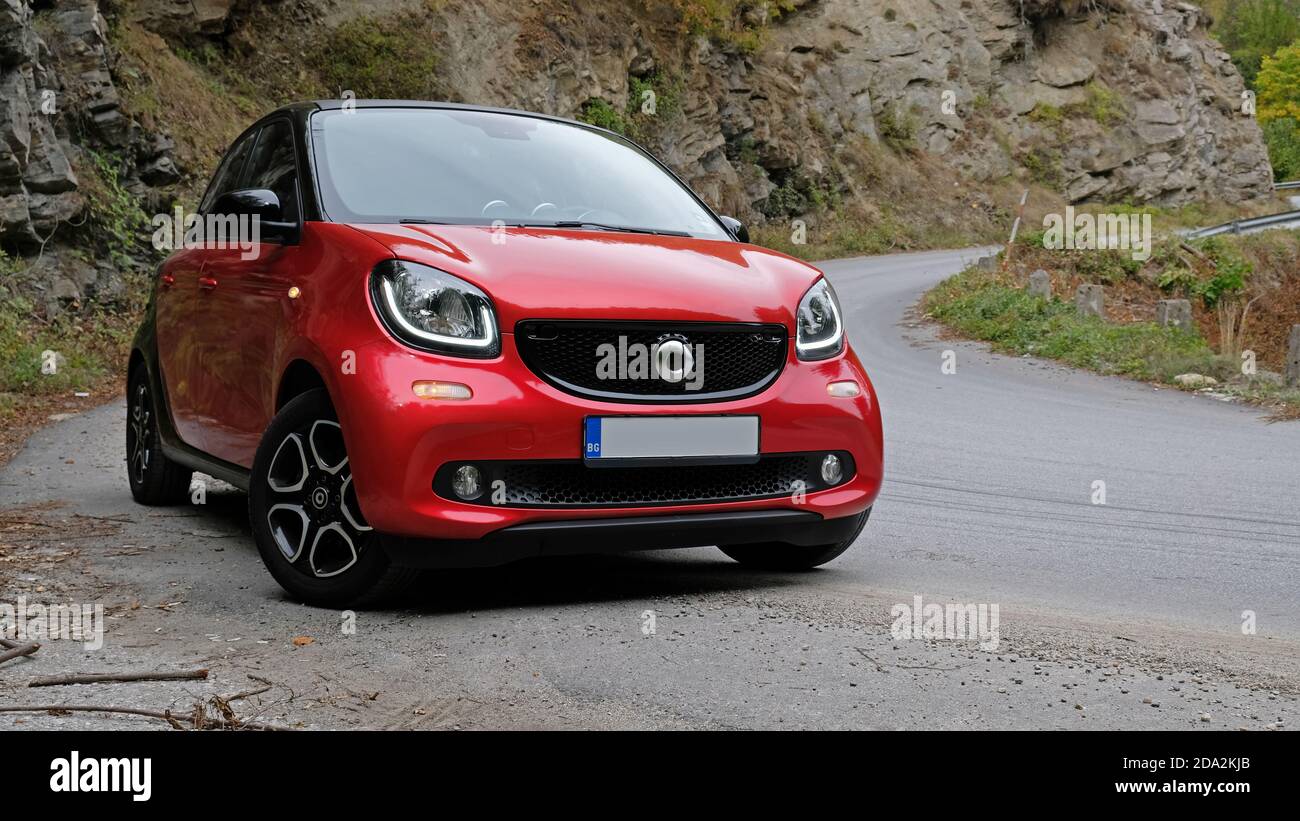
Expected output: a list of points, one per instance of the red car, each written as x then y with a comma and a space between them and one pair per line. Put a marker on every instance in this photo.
464, 336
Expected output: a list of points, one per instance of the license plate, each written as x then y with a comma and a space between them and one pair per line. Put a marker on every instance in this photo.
610, 441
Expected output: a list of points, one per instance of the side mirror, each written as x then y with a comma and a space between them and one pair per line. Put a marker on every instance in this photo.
736, 228
263, 205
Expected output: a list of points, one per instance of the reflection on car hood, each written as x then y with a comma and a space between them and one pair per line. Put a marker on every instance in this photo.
547, 273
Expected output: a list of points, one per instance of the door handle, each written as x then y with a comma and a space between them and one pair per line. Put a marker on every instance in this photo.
207, 283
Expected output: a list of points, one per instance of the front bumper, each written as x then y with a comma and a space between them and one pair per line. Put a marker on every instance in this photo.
621, 535
397, 443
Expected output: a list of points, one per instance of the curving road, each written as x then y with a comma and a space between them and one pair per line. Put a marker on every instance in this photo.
1123, 615
990, 476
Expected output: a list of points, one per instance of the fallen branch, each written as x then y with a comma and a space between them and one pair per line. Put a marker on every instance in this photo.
246, 694
198, 720
116, 678
17, 650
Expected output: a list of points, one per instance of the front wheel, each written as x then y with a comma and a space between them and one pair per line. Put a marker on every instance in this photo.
782, 556
304, 512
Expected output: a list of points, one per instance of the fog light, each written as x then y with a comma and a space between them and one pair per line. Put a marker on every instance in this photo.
832, 471
848, 389
468, 482
442, 390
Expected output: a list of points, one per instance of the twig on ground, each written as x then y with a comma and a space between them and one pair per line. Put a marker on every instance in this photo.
198, 720
246, 694
104, 518
103, 678
16, 650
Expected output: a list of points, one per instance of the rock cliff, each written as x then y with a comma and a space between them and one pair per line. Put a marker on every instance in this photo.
771, 110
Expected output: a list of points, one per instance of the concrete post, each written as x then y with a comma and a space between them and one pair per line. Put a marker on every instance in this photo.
1176, 313
1089, 300
1040, 284
1293, 358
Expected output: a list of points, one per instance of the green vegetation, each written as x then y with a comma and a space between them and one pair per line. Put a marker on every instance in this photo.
1044, 166
1283, 139
1253, 29
1263, 38
1278, 86
92, 346
741, 24
1102, 105
1218, 273
836, 234
115, 219
601, 114
984, 305
379, 57
651, 100
897, 128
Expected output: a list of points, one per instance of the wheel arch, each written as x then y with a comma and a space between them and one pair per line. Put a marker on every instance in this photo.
136, 360
299, 377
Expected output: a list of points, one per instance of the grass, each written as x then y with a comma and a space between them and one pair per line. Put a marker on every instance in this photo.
841, 234
980, 304
723, 21
91, 344
991, 306
382, 58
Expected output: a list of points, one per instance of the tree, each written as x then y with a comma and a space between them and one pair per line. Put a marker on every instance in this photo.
1278, 85
1252, 29
1278, 109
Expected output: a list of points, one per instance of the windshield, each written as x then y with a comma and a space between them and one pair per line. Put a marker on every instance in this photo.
386, 165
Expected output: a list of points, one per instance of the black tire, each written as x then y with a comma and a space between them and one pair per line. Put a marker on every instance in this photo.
301, 504
155, 479
792, 557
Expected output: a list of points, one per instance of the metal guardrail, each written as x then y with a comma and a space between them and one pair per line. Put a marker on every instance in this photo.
1243, 226
1283, 186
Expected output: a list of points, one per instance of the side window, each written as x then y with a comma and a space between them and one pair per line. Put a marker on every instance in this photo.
227, 177
272, 165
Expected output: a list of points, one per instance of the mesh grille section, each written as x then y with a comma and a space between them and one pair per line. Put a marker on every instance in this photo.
559, 484
732, 360
577, 485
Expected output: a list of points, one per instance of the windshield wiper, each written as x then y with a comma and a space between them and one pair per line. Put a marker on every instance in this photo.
420, 222
604, 227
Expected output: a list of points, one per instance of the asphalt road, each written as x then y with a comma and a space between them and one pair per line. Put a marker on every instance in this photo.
990, 472
1124, 615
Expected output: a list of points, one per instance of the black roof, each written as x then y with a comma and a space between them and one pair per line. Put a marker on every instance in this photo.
304, 108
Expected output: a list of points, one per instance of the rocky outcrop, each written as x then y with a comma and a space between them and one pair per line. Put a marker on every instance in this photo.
1104, 101
1101, 100
57, 103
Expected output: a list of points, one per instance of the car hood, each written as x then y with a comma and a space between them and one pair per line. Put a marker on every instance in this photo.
535, 273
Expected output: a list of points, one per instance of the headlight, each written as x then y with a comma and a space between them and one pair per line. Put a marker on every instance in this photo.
819, 326
433, 310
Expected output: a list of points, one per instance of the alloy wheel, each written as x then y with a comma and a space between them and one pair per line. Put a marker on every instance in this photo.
312, 508
140, 434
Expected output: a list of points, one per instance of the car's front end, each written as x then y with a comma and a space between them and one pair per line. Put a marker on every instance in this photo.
536, 379
484, 454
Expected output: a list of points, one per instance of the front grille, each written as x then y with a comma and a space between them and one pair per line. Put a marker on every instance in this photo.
570, 483
738, 359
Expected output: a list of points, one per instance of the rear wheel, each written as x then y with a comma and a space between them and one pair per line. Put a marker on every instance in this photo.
783, 556
155, 479
304, 513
